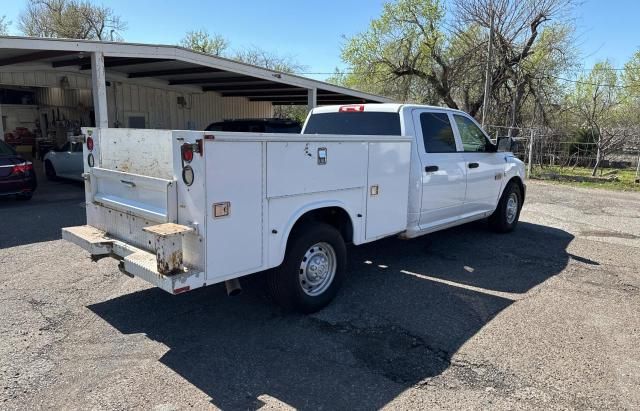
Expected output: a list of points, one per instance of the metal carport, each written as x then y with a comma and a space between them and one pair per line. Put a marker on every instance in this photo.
171, 66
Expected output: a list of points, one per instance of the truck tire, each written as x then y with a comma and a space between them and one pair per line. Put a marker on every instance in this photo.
505, 218
313, 269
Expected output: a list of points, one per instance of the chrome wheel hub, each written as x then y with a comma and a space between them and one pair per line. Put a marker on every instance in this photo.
512, 208
317, 269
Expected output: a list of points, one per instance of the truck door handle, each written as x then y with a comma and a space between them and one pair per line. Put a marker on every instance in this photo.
474, 165
431, 169
129, 183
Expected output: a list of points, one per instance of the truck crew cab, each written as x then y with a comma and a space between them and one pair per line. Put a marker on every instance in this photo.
185, 209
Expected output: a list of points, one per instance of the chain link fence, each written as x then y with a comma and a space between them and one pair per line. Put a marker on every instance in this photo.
545, 152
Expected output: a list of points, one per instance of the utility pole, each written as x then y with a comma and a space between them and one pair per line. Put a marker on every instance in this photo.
530, 159
487, 78
638, 168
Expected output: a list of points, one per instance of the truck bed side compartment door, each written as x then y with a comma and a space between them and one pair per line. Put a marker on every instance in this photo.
388, 188
234, 187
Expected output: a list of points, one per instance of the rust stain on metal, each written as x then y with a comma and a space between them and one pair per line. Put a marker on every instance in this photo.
169, 264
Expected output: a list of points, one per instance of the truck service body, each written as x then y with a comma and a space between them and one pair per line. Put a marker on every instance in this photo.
186, 209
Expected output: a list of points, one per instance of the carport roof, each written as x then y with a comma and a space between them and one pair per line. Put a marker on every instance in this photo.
177, 66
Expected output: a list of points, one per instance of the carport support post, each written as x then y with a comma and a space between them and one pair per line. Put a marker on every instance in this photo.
312, 98
99, 84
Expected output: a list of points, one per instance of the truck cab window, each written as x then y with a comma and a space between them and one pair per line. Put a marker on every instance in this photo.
368, 123
473, 139
437, 133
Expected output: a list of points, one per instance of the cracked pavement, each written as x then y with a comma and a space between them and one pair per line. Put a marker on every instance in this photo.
545, 317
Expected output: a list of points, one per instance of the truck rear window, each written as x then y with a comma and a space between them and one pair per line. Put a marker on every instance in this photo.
354, 123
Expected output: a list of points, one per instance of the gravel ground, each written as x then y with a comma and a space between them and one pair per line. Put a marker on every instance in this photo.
546, 317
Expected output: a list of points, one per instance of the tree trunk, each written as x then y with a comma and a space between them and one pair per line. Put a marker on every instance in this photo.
595, 167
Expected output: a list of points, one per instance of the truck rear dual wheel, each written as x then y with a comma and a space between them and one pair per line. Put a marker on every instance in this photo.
505, 218
313, 269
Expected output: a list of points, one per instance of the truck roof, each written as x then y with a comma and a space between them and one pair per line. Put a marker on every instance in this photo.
378, 107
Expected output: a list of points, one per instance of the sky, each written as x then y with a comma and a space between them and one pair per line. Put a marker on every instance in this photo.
312, 32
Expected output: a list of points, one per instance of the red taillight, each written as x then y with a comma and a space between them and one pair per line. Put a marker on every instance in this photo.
187, 152
22, 168
352, 108
89, 143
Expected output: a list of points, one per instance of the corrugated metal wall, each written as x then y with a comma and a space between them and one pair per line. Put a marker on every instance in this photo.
157, 104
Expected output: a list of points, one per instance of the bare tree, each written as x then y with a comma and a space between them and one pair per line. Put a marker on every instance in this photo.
77, 19
203, 42
269, 60
432, 55
4, 26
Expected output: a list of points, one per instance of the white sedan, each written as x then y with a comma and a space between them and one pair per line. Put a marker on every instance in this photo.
65, 162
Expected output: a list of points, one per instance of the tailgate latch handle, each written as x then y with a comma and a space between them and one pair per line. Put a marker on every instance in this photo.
129, 183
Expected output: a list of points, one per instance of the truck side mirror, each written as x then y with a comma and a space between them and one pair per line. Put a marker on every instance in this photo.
505, 144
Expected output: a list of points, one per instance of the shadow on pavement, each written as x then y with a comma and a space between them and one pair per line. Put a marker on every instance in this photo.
386, 331
55, 204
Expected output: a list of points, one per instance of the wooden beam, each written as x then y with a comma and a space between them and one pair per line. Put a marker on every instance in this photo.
72, 62
301, 92
216, 80
125, 62
39, 55
85, 62
320, 103
340, 99
266, 86
175, 72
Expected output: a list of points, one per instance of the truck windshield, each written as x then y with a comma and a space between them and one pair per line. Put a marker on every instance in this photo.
354, 123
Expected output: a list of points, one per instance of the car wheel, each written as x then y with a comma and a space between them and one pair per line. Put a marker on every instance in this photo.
313, 269
505, 218
50, 171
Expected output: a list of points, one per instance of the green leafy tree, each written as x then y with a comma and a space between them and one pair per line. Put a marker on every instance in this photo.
203, 42
596, 100
416, 51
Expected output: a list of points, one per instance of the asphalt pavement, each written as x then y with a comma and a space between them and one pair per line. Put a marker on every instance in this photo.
545, 317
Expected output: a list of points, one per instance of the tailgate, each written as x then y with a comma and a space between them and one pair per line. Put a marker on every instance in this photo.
151, 198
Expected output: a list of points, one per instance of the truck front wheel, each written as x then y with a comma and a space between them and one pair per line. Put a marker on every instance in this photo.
312, 271
505, 218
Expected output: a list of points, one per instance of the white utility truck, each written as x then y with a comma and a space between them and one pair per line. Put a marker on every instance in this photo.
186, 209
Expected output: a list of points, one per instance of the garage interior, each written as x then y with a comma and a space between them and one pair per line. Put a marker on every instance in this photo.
50, 88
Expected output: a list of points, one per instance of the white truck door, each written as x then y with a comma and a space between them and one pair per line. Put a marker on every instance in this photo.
485, 167
443, 168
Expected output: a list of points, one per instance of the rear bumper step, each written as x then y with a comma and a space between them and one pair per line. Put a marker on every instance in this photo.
162, 270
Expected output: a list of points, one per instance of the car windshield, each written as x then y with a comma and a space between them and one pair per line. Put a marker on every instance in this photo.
6, 149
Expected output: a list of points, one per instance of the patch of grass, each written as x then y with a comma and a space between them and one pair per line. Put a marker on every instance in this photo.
608, 178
